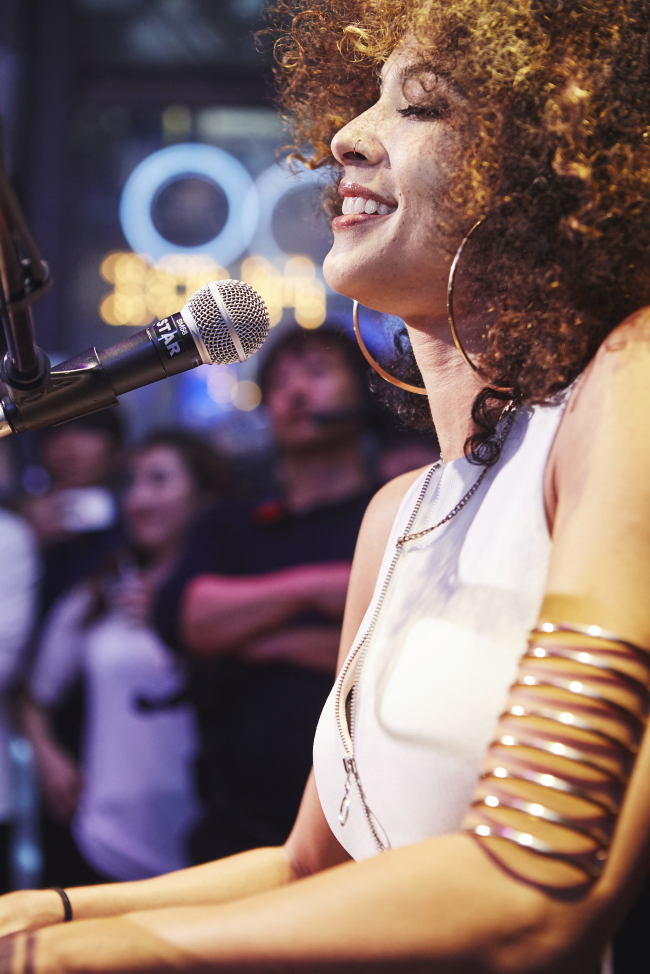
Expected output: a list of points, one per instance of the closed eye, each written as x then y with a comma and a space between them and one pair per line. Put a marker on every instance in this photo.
423, 111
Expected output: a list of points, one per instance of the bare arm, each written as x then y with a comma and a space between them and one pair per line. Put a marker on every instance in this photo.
310, 647
406, 906
211, 883
59, 775
311, 846
219, 614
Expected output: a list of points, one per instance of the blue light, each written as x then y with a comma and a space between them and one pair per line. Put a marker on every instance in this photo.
270, 187
174, 162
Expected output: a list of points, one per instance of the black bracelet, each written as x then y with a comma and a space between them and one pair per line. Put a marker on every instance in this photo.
30, 944
67, 905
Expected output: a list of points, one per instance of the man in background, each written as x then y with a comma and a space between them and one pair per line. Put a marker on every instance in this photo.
256, 602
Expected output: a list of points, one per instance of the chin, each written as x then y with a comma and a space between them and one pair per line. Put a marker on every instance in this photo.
345, 276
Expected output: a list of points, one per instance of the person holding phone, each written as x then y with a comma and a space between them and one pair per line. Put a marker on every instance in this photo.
130, 800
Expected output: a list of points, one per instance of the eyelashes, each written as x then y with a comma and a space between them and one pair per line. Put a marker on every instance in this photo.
422, 111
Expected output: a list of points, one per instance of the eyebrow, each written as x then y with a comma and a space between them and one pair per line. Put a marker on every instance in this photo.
411, 70
442, 80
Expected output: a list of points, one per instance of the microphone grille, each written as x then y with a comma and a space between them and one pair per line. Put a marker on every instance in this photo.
248, 314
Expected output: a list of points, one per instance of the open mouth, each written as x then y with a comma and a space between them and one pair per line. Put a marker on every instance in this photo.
359, 204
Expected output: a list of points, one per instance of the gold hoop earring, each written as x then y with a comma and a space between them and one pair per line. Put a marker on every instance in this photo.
450, 307
450, 299
419, 390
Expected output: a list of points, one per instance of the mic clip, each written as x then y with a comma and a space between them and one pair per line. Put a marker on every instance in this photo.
74, 388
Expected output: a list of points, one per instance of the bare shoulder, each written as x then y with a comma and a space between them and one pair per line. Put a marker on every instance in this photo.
385, 504
371, 544
380, 514
378, 521
614, 390
606, 420
601, 473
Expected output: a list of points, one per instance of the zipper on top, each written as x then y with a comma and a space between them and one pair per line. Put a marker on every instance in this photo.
348, 682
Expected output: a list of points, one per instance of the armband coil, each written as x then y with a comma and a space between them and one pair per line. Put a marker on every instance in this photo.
566, 746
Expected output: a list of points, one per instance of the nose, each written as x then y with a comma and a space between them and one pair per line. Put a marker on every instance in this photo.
357, 143
298, 391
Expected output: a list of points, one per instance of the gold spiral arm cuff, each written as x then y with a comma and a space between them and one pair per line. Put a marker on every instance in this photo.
529, 753
591, 863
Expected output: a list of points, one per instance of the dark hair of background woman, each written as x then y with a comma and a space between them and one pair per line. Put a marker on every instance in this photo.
211, 480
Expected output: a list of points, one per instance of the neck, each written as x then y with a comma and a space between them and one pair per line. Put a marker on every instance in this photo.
451, 384
160, 559
323, 475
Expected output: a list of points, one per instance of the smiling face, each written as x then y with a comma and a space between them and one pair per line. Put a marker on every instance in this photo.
161, 499
388, 252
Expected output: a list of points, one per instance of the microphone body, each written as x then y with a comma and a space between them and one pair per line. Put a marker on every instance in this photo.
224, 322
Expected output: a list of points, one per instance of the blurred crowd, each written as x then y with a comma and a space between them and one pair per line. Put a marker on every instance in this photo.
169, 634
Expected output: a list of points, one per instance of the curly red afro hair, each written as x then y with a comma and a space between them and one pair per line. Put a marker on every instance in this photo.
556, 153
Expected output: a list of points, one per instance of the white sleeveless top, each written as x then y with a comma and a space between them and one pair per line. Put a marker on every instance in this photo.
445, 648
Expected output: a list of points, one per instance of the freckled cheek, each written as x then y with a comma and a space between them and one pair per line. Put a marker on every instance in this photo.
420, 180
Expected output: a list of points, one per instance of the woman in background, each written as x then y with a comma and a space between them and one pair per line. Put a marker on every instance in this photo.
132, 800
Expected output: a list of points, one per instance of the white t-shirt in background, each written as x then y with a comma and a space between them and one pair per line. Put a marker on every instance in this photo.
138, 801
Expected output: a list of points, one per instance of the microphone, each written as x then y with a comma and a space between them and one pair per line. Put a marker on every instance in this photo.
223, 323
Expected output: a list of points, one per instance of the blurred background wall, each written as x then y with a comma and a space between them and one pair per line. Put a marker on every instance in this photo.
140, 140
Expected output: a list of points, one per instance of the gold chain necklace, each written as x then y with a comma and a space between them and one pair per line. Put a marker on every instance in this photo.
509, 413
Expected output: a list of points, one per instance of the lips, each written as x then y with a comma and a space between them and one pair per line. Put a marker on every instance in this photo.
360, 205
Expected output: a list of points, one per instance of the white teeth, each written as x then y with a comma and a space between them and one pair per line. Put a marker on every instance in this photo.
359, 204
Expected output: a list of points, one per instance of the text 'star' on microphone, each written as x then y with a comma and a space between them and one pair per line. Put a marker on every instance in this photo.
223, 323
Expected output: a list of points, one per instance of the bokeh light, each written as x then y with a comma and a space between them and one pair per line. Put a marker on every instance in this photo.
246, 395
176, 122
143, 293
221, 383
292, 284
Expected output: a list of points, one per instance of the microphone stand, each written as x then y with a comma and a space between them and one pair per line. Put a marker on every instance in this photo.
24, 278
76, 387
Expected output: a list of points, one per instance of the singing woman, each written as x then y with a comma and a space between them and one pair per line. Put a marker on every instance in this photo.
481, 790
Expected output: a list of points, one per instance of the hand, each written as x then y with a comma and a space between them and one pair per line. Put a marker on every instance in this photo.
61, 781
45, 514
133, 596
29, 909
